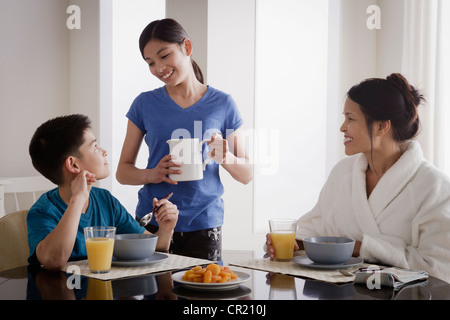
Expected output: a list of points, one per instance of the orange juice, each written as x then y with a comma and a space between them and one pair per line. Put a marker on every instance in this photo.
283, 243
99, 252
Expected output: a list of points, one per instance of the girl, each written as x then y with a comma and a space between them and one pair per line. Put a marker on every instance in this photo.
183, 108
386, 196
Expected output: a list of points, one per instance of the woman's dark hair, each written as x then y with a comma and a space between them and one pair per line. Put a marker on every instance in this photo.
167, 30
54, 141
391, 99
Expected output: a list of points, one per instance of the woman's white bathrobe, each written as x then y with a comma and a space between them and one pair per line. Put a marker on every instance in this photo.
405, 222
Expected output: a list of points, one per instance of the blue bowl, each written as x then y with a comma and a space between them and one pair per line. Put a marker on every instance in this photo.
329, 250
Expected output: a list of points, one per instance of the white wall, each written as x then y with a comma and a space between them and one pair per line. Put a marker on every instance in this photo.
231, 68
193, 16
34, 78
84, 59
130, 76
47, 71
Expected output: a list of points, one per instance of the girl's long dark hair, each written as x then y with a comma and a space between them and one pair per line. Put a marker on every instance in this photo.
167, 30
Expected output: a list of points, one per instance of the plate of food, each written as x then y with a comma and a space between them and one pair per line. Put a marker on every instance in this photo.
211, 277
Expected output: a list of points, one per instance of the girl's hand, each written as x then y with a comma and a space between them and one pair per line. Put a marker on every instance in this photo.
167, 215
219, 148
163, 168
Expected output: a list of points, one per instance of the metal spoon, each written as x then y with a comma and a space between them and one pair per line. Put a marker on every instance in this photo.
352, 271
146, 219
347, 273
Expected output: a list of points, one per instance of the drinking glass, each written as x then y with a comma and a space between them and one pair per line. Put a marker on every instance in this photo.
99, 247
282, 234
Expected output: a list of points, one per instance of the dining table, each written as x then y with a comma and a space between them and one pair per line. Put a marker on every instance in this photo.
262, 281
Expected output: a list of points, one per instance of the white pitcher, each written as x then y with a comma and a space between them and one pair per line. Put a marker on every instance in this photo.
189, 152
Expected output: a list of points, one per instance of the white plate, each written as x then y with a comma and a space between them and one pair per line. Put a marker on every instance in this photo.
231, 284
156, 257
306, 262
240, 292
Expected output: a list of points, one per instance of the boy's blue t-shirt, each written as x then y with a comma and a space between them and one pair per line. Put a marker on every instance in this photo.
199, 202
104, 210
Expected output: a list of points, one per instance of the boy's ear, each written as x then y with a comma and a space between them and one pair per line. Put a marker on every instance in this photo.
72, 165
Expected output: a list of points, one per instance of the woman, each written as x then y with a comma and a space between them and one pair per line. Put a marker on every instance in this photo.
185, 105
386, 196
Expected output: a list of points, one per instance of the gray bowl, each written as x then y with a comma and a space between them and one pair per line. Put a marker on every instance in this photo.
329, 250
134, 246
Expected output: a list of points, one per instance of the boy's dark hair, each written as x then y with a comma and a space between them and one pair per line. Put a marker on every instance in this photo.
54, 141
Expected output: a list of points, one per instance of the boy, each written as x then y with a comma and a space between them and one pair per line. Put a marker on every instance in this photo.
65, 151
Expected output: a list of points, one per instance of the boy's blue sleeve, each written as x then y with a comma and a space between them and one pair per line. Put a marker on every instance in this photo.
124, 221
39, 224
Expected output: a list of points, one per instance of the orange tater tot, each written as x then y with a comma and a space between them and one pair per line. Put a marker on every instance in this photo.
207, 277
223, 278
194, 275
215, 269
203, 270
213, 273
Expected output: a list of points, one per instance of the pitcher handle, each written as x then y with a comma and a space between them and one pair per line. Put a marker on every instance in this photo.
207, 159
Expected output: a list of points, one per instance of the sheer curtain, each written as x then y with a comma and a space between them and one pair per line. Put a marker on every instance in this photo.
426, 37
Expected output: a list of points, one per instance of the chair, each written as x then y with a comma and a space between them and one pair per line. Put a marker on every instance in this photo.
21, 193
14, 250
3, 182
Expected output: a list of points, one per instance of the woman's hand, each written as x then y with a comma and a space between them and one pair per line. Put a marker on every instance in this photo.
271, 250
163, 168
357, 249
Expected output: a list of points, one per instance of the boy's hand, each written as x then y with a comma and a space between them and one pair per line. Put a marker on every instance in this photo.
82, 183
167, 215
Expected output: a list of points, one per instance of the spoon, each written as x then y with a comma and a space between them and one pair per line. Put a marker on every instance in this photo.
146, 219
347, 273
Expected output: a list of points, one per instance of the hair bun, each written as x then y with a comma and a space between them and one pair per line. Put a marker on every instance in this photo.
411, 94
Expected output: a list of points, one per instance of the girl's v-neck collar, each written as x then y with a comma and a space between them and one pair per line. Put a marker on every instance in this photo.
178, 107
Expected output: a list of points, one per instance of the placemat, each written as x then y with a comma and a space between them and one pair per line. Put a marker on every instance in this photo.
292, 268
173, 262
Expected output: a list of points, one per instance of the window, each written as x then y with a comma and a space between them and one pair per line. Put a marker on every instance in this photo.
290, 107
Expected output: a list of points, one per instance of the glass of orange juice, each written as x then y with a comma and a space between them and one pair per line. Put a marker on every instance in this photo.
99, 247
282, 234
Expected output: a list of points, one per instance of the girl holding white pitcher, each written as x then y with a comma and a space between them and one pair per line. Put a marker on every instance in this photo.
184, 107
